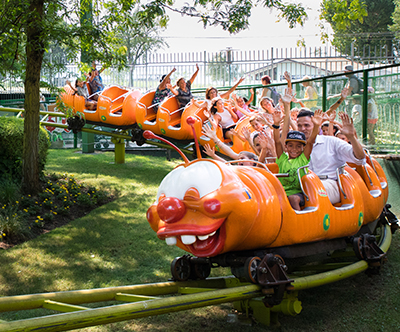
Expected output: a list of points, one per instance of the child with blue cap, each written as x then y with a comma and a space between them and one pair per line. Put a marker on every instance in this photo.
298, 151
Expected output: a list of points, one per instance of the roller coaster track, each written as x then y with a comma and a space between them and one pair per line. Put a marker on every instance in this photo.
166, 297
117, 135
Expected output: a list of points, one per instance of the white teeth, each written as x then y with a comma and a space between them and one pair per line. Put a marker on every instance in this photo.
205, 237
171, 241
188, 239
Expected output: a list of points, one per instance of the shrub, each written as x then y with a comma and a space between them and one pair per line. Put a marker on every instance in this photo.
11, 142
63, 198
9, 192
13, 225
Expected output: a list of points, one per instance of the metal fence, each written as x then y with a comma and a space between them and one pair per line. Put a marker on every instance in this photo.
222, 69
226, 67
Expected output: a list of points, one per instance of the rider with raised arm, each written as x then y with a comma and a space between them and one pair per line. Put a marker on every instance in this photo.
329, 153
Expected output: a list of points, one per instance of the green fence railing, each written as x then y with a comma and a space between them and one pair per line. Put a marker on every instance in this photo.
384, 136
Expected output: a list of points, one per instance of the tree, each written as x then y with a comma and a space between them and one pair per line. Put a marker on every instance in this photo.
29, 27
136, 37
232, 16
395, 28
362, 25
221, 68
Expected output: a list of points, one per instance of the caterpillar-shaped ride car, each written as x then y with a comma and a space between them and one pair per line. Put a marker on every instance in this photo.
122, 108
239, 216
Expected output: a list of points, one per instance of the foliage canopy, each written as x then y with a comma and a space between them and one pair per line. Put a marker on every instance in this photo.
95, 28
363, 23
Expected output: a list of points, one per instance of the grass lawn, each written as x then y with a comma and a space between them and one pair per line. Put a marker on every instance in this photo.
114, 245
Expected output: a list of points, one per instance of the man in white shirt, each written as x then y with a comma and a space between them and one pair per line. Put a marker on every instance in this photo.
330, 152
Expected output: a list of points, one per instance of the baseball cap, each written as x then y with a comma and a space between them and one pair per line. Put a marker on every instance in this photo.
295, 135
348, 68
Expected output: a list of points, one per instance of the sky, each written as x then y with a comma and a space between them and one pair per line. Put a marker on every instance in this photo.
186, 34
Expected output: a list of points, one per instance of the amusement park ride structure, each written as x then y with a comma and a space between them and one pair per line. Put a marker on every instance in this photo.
231, 216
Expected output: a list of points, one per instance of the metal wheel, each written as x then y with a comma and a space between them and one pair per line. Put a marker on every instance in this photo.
180, 268
250, 269
200, 270
358, 247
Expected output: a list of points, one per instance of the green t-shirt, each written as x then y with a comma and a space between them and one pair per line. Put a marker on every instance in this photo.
291, 183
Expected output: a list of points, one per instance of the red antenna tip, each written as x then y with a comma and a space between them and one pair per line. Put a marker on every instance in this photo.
147, 134
190, 121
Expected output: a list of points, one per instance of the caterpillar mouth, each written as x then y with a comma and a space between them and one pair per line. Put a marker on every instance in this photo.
202, 244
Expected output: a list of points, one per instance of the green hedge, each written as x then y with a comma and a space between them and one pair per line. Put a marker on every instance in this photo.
11, 147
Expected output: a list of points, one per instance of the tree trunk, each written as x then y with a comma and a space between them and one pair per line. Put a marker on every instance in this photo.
34, 59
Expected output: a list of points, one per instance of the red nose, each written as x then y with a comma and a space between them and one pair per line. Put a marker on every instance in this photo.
171, 209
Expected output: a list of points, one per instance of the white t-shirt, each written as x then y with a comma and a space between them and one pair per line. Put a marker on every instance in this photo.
329, 153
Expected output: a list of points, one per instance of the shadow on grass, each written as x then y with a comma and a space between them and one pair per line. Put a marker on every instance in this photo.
113, 245
149, 170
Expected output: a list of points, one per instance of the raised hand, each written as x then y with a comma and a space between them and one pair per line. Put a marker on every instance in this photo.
348, 127
242, 79
264, 140
206, 130
209, 151
277, 117
288, 96
345, 93
287, 76
246, 133
318, 118
332, 115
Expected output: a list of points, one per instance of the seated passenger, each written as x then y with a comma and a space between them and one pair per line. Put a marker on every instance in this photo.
330, 153
329, 128
242, 106
258, 123
212, 92
297, 155
81, 90
183, 93
341, 136
243, 155
224, 116
95, 83
266, 109
163, 90
209, 132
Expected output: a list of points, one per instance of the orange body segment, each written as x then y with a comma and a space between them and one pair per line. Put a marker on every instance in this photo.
221, 208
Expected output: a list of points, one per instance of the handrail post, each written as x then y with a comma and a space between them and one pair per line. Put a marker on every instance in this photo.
324, 94
365, 106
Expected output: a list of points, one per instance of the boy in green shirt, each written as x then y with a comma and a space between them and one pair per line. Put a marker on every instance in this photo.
297, 154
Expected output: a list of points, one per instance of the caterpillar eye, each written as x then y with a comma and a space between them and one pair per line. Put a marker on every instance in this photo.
203, 176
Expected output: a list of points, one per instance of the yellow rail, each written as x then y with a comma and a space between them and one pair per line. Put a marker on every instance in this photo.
149, 299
